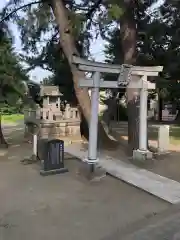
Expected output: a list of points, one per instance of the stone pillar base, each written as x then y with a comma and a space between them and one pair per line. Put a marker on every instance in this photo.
91, 172
53, 172
141, 155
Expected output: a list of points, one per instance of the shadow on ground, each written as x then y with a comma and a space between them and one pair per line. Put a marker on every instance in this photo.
64, 206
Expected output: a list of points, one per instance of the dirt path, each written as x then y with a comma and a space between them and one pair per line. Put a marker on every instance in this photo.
64, 206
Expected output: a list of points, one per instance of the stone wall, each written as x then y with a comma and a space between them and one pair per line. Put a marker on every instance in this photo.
59, 129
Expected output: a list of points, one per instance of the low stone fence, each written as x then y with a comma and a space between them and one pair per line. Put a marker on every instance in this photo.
50, 115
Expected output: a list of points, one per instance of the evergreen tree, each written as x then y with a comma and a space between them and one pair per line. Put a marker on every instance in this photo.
12, 75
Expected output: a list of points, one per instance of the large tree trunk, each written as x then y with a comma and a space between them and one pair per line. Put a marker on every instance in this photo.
68, 45
67, 42
128, 41
3, 143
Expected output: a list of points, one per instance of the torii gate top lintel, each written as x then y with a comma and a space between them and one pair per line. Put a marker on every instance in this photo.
125, 72
92, 66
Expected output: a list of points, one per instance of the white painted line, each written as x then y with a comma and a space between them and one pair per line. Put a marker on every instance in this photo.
162, 187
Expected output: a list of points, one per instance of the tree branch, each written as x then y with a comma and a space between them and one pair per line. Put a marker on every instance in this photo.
91, 11
89, 14
17, 9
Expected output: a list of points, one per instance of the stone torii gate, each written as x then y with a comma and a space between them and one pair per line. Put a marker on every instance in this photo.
139, 80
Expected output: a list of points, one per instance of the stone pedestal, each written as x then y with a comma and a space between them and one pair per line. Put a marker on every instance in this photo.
59, 129
163, 139
54, 123
91, 172
140, 155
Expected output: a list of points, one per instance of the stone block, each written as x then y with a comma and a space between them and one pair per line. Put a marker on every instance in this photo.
91, 172
60, 129
163, 139
140, 155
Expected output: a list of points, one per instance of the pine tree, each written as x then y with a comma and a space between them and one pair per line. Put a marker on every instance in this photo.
11, 74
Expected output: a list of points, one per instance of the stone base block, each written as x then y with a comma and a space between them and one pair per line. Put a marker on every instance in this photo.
53, 172
91, 172
60, 129
141, 155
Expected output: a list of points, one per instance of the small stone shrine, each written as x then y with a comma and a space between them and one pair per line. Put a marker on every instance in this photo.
56, 119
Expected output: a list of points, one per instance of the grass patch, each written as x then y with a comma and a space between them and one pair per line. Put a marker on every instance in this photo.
175, 135
12, 118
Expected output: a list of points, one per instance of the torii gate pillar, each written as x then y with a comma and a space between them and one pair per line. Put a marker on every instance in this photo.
93, 128
139, 81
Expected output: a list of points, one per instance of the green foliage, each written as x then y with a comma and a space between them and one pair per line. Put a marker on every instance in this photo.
39, 35
12, 118
8, 110
121, 113
158, 40
33, 24
115, 12
12, 75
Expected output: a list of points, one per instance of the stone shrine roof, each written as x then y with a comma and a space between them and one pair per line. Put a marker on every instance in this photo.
49, 91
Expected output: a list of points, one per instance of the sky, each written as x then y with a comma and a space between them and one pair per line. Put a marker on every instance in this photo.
97, 47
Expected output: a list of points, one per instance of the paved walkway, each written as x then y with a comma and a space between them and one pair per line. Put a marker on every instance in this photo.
162, 187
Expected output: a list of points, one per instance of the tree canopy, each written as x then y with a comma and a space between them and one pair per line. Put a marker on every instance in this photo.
12, 74
157, 43
54, 30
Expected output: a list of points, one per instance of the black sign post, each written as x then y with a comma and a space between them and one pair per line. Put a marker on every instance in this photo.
53, 157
